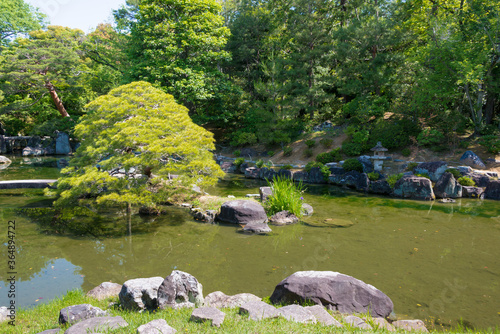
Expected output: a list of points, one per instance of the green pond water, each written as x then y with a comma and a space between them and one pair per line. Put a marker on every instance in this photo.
439, 262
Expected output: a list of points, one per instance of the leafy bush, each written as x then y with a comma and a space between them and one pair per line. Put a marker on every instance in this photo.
308, 152
287, 167
373, 176
411, 166
463, 144
238, 162
268, 164
312, 164
353, 164
287, 151
259, 163
393, 134
466, 181
430, 137
406, 152
310, 143
270, 153
455, 172
286, 196
351, 149
491, 143
392, 179
326, 157
326, 142
48, 128
423, 175
237, 153
244, 138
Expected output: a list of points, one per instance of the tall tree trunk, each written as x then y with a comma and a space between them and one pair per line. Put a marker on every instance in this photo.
489, 109
56, 99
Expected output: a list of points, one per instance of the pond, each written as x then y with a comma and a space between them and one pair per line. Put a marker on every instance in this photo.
439, 262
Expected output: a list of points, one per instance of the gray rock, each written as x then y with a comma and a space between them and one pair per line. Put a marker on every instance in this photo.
242, 168
258, 310
158, 326
62, 143
492, 190
75, 313
410, 325
283, 218
140, 293
34, 151
316, 176
228, 167
434, 169
334, 290
447, 200
4, 314
208, 313
447, 187
180, 289
381, 187
356, 322
464, 169
207, 216
105, 290
285, 173
257, 228
367, 163
381, 323
297, 313
265, 192
242, 212
51, 331
470, 158
219, 299
4, 160
480, 180
352, 179
307, 210
252, 173
97, 325
472, 192
267, 173
301, 176
414, 187
322, 316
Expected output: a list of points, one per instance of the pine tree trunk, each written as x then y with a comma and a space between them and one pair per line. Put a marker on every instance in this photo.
56, 99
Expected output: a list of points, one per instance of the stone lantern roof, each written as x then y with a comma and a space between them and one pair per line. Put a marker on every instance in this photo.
379, 148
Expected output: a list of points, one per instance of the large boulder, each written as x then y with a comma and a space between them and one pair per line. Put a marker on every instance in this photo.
252, 173
301, 176
447, 187
283, 218
367, 163
105, 290
471, 159
381, 187
481, 180
434, 169
75, 313
472, 192
414, 187
334, 290
219, 299
492, 191
178, 290
265, 192
267, 173
316, 176
352, 179
285, 173
4, 160
140, 293
242, 212
62, 143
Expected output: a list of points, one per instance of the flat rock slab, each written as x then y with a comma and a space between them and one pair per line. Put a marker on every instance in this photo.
158, 326
73, 314
258, 310
219, 299
322, 316
140, 293
283, 218
297, 313
105, 290
208, 313
381, 323
410, 325
242, 212
257, 228
356, 322
97, 325
180, 289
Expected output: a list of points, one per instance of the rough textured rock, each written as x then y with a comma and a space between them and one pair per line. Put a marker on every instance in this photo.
470, 158
97, 325
158, 326
381, 187
257, 228
307, 210
4, 160
297, 313
207, 216
356, 322
242, 212
301, 176
267, 173
447, 187
62, 143
4, 314
265, 192
414, 187
410, 325
243, 167
75, 313
228, 167
492, 191
35, 151
434, 169
464, 169
180, 289
323, 317
367, 163
140, 293
352, 179
252, 173
316, 176
258, 310
208, 313
480, 180
472, 192
105, 290
220, 299
286, 173
334, 290
283, 218
381, 323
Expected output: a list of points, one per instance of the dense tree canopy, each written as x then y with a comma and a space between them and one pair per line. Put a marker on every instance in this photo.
18, 17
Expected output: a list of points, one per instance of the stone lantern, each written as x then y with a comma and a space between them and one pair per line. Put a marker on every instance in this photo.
378, 156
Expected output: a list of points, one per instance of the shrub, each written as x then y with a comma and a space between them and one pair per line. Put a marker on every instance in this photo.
351, 149
392, 179
259, 163
326, 157
308, 153
238, 162
393, 134
244, 138
310, 143
268, 164
406, 152
411, 166
491, 143
353, 164
463, 144
237, 153
466, 181
312, 164
373, 176
430, 137
423, 175
455, 172
287, 151
286, 196
287, 167
270, 153
326, 142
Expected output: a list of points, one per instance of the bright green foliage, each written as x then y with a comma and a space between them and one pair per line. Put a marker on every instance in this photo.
353, 164
286, 196
18, 17
287, 151
491, 143
466, 181
373, 176
326, 142
326, 157
136, 126
238, 162
430, 137
310, 143
325, 171
455, 172
237, 153
411, 166
392, 179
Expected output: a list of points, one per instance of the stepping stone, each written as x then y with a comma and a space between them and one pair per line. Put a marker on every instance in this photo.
105, 290
219, 299
356, 322
208, 313
97, 325
322, 316
410, 325
297, 313
158, 326
259, 310
257, 228
75, 313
